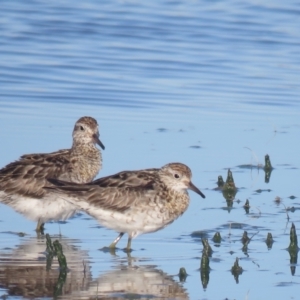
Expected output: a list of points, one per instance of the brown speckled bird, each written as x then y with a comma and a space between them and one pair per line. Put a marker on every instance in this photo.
22, 182
132, 202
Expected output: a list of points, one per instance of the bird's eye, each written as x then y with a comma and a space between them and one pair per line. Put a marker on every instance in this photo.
176, 176
81, 128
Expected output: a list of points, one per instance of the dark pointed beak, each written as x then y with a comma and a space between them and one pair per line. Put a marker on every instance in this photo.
97, 141
195, 189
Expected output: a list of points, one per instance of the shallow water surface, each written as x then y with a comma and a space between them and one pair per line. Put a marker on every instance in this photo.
214, 85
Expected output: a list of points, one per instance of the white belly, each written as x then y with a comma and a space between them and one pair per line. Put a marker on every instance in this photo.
43, 210
133, 222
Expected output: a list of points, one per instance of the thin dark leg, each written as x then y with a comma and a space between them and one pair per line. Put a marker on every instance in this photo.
114, 243
40, 227
128, 248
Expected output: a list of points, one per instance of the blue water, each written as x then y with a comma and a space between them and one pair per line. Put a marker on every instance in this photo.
214, 85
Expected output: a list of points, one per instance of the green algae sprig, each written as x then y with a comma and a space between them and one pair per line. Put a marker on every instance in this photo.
245, 239
229, 189
268, 165
50, 251
236, 270
49, 245
247, 206
63, 269
293, 240
55, 249
220, 182
269, 240
60, 255
267, 168
229, 184
217, 237
293, 249
204, 270
182, 274
206, 247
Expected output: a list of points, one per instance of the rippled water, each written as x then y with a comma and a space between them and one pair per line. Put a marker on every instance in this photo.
214, 85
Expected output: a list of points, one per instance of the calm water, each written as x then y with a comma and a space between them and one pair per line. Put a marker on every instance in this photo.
214, 85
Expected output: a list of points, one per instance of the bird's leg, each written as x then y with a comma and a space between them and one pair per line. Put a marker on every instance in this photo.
40, 227
114, 243
128, 248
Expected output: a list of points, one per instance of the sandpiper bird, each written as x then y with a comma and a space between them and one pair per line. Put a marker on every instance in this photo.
132, 202
22, 181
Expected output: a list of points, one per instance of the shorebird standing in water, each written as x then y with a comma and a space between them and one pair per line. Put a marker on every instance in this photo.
132, 202
22, 182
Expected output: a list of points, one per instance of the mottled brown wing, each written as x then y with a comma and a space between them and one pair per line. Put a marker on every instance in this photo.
116, 192
120, 199
126, 179
35, 157
27, 176
122, 179
113, 198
